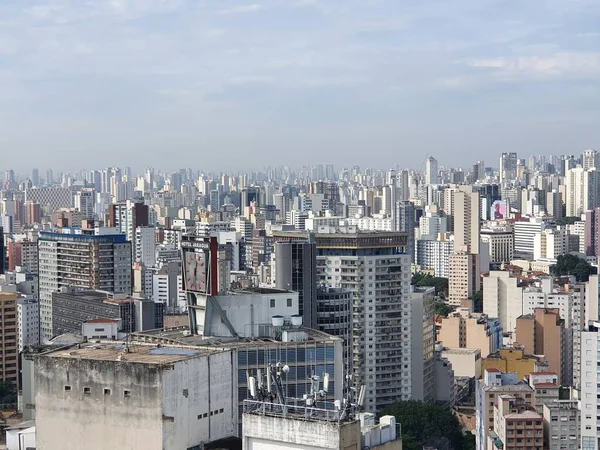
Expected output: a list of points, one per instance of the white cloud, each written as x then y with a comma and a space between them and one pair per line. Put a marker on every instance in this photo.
560, 64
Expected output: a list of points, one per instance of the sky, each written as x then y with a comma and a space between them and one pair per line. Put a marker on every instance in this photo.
237, 85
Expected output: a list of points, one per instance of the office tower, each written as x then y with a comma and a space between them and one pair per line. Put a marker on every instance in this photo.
502, 298
478, 171
35, 177
376, 269
431, 171
262, 247
581, 191
466, 220
85, 202
590, 159
249, 195
525, 231
405, 222
68, 257
334, 317
508, 168
590, 391
493, 386
295, 270
464, 280
543, 333
9, 356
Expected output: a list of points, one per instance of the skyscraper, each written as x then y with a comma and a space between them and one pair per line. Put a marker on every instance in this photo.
405, 222
508, 167
431, 171
590, 159
374, 266
71, 257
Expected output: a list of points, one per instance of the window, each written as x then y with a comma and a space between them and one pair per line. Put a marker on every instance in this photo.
87, 390
67, 388
289, 302
272, 303
106, 391
126, 393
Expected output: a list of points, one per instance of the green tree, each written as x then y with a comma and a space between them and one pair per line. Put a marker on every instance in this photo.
567, 220
423, 422
426, 279
442, 308
569, 264
478, 301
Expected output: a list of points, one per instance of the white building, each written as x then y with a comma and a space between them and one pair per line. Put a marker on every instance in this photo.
435, 254
28, 322
85, 202
589, 400
525, 231
501, 242
145, 246
581, 190
562, 423
550, 244
502, 298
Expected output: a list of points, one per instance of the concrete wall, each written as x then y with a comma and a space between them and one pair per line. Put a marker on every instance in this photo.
276, 433
71, 420
199, 402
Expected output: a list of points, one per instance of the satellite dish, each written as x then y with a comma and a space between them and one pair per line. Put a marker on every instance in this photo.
286, 369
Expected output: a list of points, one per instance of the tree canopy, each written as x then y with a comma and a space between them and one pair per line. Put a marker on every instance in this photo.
426, 279
442, 308
422, 423
478, 301
569, 220
573, 265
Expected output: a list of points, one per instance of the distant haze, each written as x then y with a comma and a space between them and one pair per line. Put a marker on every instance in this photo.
229, 84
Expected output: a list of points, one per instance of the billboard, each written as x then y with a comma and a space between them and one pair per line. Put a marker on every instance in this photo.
200, 265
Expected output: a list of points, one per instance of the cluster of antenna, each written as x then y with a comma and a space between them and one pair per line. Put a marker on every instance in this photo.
268, 387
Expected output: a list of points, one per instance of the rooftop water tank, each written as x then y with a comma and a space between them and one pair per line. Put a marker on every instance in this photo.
277, 321
296, 320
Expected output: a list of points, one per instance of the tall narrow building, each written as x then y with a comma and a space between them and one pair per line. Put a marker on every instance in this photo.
375, 267
431, 171
82, 258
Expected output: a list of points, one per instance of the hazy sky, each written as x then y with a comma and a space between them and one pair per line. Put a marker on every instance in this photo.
236, 85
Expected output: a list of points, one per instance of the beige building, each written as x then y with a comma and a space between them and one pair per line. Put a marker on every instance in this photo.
466, 218
542, 333
516, 425
465, 361
9, 339
463, 329
501, 241
464, 280
502, 298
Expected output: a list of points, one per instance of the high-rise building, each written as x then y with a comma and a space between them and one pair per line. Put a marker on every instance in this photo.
464, 280
2, 251
85, 202
145, 245
466, 219
71, 257
508, 167
405, 222
295, 269
590, 392
435, 254
582, 191
28, 322
374, 266
423, 343
502, 298
431, 171
9, 355
590, 159
543, 333
464, 329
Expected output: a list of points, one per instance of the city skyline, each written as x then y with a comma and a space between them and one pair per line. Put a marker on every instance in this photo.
242, 83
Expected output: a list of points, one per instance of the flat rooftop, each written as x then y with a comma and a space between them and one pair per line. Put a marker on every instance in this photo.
179, 336
136, 353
